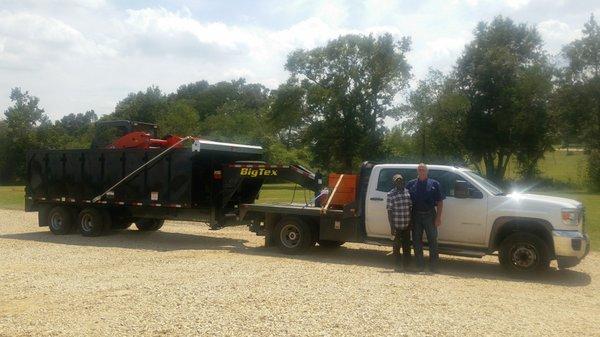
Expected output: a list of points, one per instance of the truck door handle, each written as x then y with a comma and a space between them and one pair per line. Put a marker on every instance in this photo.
376, 199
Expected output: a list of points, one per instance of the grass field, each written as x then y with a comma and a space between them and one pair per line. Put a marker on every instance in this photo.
11, 197
561, 168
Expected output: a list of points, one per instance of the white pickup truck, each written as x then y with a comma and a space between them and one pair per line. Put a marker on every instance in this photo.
479, 218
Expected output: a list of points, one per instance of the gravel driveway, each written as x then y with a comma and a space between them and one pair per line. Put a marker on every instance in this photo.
187, 280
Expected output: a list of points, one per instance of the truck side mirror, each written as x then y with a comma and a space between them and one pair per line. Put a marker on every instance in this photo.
461, 189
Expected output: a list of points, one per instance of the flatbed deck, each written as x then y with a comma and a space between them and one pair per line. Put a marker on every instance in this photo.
292, 209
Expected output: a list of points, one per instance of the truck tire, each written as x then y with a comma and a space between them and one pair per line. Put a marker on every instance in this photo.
148, 225
293, 236
524, 253
93, 222
330, 243
60, 220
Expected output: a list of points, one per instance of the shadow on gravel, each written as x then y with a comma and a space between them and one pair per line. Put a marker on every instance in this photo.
168, 241
133, 239
454, 267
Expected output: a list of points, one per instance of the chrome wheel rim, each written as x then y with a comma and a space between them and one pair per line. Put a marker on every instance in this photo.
290, 236
86, 223
524, 256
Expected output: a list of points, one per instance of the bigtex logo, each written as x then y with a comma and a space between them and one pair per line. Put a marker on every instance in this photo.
260, 172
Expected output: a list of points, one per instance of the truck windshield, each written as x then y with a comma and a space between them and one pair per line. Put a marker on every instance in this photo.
488, 185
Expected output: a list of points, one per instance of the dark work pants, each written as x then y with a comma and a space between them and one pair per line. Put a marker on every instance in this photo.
402, 239
425, 222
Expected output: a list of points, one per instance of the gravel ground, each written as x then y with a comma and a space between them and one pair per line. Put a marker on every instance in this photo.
187, 280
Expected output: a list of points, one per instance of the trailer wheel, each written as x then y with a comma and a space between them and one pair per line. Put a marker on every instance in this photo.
330, 243
148, 225
60, 220
93, 222
523, 253
293, 236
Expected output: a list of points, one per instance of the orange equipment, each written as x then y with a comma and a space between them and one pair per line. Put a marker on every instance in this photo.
346, 191
143, 140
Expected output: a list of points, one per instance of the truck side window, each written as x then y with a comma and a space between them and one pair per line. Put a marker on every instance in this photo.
446, 180
384, 181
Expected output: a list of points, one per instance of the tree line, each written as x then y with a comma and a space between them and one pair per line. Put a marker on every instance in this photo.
506, 99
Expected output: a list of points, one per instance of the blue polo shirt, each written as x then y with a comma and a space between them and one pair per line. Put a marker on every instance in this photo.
425, 194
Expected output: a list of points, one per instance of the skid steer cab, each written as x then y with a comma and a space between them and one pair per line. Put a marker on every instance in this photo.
124, 134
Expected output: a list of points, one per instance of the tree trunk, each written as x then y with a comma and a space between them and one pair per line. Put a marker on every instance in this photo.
489, 166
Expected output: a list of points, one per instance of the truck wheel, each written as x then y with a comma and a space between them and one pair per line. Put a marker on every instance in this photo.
147, 225
93, 222
60, 220
330, 243
293, 236
524, 253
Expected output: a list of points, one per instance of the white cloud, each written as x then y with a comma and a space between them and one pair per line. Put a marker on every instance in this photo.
30, 40
556, 34
92, 53
516, 4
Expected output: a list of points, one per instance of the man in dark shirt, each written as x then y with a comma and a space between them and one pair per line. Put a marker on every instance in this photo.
427, 199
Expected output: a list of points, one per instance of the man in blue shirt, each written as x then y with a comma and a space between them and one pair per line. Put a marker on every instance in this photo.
427, 200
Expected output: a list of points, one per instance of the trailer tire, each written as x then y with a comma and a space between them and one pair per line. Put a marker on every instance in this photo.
60, 220
293, 236
524, 253
330, 243
149, 225
93, 222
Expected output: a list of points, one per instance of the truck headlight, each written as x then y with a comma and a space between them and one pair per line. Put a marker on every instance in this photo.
569, 217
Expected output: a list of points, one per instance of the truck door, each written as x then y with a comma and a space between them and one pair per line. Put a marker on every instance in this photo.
376, 220
463, 219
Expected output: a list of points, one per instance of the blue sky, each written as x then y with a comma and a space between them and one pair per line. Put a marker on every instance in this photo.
77, 55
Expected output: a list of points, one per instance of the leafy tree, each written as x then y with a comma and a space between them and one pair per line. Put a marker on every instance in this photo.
179, 119
503, 73
73, 130
141, 106
288, 113
233, 122
577, 102
435, 114
207, 98
400, 144
349, 86
19, 133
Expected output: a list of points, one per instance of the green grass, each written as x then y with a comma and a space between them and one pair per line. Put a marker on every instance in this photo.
564, 169
284, 193
12, 197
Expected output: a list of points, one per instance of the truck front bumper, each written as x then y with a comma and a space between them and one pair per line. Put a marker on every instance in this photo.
570, 247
